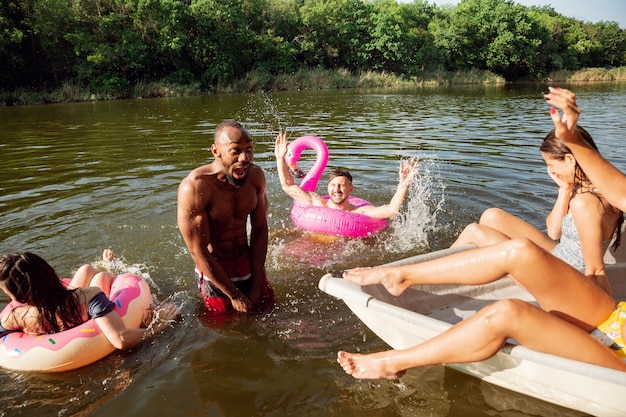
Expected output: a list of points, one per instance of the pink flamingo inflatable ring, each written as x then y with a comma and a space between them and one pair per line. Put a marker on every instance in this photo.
80, 345
323, 219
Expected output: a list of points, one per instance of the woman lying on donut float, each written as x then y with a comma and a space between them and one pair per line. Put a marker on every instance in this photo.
52, 325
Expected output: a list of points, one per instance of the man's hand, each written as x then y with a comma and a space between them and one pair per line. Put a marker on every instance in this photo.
408, 170
241, 303
280, 149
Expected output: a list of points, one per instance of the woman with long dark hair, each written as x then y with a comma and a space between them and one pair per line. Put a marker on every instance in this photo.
580, 225
50, 307
575, 319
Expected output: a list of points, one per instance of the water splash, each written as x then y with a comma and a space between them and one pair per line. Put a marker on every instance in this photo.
261, 115
408, 233
119, 265
425, 200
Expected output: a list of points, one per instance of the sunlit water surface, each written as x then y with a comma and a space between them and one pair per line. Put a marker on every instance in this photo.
77, 178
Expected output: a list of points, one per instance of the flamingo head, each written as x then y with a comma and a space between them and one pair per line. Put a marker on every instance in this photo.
294, 151
296, 172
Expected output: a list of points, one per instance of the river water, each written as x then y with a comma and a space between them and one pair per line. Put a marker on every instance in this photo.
77, 178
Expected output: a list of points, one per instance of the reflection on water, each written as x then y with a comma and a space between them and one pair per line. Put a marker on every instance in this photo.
77, 178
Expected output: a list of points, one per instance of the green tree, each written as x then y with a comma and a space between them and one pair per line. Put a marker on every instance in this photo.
162, 26
109, 45
553, 49
496, 35
611, 44
32, 43
418, 50
222, 46
579, 45
332, 33
110, 52
13, 34
276, 27
385, 49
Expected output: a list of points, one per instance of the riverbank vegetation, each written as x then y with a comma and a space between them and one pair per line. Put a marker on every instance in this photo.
71, 50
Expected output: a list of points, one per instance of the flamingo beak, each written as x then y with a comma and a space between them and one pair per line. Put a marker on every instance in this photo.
295, 171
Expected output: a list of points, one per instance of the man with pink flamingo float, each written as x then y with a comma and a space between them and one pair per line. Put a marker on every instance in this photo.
340, 187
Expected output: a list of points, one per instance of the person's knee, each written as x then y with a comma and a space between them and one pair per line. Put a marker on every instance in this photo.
102, 280
502, 315
492, 216
521, 251
86, 269
470, 230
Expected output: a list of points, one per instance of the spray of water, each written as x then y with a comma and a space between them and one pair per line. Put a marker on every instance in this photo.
261, 115
408, 233
412, 227
119, 265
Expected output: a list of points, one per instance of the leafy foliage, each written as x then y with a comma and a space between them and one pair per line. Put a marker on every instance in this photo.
110, 46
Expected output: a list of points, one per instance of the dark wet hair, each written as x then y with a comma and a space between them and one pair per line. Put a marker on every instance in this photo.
340, 173
32, 281
557, 150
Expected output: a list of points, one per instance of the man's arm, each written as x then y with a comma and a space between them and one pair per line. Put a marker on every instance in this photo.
407, 171
258, 238
286, 180
193, 224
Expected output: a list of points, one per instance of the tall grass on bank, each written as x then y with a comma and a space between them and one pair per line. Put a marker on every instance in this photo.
70, 92
303, 79
590, 74
320, 79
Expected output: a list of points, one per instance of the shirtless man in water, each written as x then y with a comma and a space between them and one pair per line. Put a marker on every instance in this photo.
214, 204
340, 187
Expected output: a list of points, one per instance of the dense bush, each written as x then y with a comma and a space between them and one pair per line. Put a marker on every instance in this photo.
111, 46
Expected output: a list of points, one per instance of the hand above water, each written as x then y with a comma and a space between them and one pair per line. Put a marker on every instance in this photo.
408, 170
565, 125
280, 149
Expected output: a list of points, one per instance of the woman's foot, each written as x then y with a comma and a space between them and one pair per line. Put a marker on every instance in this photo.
108, 255
388, 277
372, 366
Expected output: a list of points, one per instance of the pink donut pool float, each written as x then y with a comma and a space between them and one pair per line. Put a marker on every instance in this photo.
323, 219
80, 345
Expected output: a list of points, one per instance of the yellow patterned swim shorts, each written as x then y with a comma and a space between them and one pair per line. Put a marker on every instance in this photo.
610, 334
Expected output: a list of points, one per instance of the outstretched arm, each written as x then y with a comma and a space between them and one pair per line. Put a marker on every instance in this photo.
286, 180
122, 337
610, 181
258, 237
408, 170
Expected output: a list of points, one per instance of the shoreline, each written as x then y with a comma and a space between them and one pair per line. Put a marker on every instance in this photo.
310, 79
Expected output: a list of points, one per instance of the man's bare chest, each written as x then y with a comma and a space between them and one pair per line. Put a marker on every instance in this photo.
230, 205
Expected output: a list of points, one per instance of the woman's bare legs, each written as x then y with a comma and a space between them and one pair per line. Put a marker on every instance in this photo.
86, 275
496, 225
556, 286
480, 336
479, 235
104, 280
82, 277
